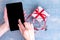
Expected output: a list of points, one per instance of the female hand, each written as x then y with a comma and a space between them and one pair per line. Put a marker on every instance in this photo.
4, 27
26, 30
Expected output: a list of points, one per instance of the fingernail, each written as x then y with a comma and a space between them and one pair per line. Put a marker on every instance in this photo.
19, 21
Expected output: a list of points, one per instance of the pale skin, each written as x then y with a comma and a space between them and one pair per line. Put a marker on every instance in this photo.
26, 30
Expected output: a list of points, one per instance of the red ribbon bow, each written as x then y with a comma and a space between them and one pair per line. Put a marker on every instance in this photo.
40, 14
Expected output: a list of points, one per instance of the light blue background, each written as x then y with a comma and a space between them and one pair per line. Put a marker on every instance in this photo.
53, 22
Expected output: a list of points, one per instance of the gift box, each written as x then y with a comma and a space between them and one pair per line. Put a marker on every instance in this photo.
40, 14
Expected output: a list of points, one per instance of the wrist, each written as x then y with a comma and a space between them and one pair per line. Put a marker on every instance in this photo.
30, 39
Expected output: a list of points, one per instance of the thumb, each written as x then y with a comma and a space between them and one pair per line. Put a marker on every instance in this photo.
5, 15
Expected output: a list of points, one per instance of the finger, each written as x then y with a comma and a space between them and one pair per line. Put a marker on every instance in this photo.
21, 27
32, 27
27, 25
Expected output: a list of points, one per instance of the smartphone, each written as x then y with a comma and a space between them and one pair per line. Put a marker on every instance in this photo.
15, 12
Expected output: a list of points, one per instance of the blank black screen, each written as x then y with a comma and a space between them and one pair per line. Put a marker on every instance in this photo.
15, 12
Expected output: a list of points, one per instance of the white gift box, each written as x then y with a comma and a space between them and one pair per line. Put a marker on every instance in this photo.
39, 13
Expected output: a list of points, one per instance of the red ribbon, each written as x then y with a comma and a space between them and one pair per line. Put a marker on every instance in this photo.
40, 13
